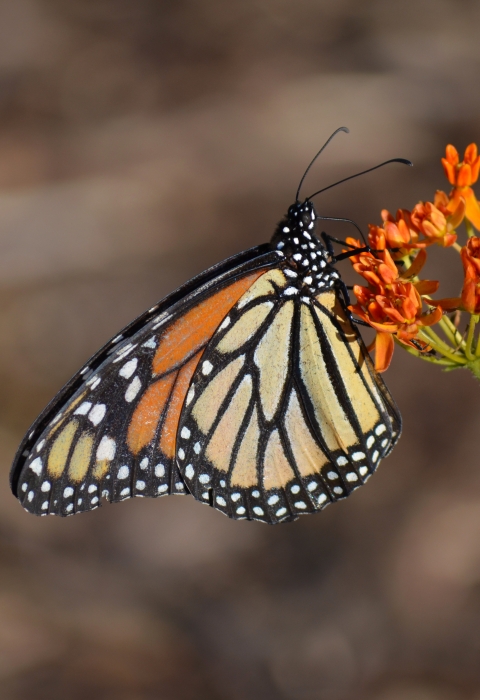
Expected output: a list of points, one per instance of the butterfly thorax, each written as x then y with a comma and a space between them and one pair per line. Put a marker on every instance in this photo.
306, 257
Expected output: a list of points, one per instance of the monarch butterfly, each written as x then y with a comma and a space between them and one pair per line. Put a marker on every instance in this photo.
249, 388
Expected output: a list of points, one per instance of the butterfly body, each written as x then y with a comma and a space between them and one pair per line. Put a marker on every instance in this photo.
248, 388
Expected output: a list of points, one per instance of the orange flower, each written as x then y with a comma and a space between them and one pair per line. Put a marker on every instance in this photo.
397, 312
379, 269
471, 282
436, 222
391, 304
470, 299
400, 232
462, 175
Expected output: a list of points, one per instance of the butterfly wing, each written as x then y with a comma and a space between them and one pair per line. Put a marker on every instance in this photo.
111, 431
285, 413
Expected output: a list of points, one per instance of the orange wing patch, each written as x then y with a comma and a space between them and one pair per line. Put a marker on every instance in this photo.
169, 430
191, 332
176, 358
143, 425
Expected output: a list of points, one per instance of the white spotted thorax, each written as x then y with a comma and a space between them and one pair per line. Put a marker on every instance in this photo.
310, 271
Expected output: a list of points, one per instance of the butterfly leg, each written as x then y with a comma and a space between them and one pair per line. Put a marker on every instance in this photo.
343, 290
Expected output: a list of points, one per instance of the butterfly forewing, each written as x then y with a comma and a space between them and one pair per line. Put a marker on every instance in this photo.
284, 414
112, 431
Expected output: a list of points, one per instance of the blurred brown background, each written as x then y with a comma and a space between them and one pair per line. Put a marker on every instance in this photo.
140, 142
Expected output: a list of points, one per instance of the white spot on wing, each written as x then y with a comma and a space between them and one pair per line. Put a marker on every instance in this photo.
162, 488
351, 476
36, 466
140, 485
300, 505
370, 441
83, 409
185, 433
258, 511
97, 413
357, 456
123, 472
240, 511
159, 470
106, 449
144, 463
190, 395
207, 367
46, 486
129, 368
272, 500
342, 461
92, 488
150, 343
280, 512
40, 445
380, 429
133, 389
204, 478
68, 492
125, 492
221, 501
189, 471
321, 499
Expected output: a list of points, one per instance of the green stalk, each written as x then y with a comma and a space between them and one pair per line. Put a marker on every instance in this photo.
477, 352
471, 329
426, 358
450, 331
437, 344
469, 227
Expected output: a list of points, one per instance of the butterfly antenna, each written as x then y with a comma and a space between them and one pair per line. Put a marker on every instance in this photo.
341, 128
393, 160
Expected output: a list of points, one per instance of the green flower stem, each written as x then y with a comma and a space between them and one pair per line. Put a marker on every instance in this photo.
470, 229
470, 355
477, 352
451, 332
426, 358
437, 344
457, 247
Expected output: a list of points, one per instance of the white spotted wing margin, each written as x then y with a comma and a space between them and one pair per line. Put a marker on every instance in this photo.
285, 413
76, 452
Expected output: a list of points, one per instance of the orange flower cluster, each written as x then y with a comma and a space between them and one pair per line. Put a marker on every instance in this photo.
426, 224
470, 299
392, 303
462, 175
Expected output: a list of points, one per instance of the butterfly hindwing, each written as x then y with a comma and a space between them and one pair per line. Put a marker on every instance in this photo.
284, 414
111, 432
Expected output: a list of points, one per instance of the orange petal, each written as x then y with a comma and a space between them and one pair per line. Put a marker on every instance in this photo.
464, 176
452, 154
449, 171
416, 265
472, 211
427, 286
457, 216
471, 153
384, 347
431, 318
448, 304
